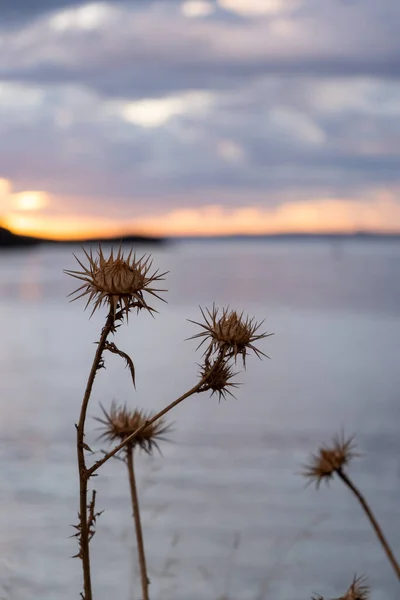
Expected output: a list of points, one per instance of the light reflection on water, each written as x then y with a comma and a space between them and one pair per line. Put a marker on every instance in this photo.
224, 509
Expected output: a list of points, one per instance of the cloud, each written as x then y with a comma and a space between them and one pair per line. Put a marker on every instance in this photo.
269, 137
141, 51
325, 215
15, 14
158, 111
255, 8
197, 8
381, 212
111, 108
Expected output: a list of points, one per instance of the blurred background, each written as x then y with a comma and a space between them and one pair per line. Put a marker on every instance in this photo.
252, 146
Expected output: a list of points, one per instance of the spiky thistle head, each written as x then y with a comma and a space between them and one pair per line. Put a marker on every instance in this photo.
229, 331
218, 375
358, 590
330, 460
116, 280
120, 422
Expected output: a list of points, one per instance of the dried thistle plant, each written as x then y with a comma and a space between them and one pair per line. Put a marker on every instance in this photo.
212, 364
332, 460
358, 590
116, 280
231, 332
119, 283
118, 424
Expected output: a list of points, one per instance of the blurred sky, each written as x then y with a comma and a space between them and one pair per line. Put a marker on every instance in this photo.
187, 117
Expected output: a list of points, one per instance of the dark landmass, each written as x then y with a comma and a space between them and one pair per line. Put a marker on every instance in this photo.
12, 240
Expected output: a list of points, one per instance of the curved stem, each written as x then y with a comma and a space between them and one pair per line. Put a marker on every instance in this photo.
138, 525
197, 388
83, 471
346, 479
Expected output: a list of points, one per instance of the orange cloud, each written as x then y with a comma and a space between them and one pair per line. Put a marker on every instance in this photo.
24, 213
62, 228
30, 200
329, 215
15, 205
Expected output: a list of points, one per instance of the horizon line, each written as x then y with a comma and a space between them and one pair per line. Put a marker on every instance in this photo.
204, 236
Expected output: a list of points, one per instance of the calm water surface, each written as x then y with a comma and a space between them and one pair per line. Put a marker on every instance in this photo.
226, 514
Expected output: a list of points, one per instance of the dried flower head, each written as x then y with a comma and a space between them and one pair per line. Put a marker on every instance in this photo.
219, 375
230, 332
116, 280
358, 590
330, 460
120, 422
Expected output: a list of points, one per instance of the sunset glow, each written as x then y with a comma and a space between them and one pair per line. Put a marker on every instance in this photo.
67, 228
30, 201
29, 213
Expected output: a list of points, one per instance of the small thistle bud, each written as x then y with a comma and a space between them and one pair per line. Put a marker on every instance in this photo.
230, 332
330, 460
116, 280
218, 376
120, 422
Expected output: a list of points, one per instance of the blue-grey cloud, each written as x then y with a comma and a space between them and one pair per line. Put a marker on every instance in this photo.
139, 50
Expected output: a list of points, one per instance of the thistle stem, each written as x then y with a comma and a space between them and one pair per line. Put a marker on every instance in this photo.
138, 525
346, 479
84, 473
197, 388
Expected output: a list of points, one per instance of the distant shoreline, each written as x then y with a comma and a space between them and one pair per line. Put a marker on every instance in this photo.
12, 240
293, 237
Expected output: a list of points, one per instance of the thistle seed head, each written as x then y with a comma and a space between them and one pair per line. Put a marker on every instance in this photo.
329, 460
120, 422
219, 375
116, 280
230, 332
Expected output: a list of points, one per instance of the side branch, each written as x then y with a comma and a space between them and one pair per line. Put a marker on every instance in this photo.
129, 439
197, 388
